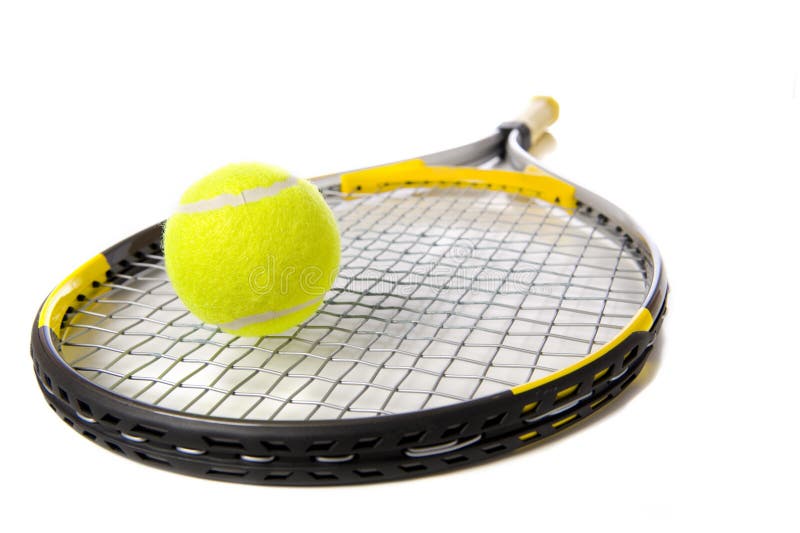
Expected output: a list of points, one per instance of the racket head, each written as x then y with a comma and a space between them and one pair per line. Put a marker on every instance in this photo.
482, 398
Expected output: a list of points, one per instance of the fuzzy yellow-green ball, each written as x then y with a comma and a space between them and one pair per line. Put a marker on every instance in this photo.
252, 249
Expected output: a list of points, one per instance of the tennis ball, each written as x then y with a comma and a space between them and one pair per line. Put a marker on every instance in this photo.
252, 249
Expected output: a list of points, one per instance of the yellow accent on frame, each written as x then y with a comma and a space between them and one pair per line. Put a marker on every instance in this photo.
566, 420
600, 374
65, 294
566, 392
533, 181
529, 407
641, 321
528, 436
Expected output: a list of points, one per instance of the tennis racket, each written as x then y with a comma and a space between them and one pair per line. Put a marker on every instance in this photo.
483, 303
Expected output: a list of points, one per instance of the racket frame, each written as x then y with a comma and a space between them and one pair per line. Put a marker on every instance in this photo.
358, 449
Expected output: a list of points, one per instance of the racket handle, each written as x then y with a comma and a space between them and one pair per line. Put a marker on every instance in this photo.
542, 111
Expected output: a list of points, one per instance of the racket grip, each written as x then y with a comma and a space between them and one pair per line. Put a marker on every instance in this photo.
542, 111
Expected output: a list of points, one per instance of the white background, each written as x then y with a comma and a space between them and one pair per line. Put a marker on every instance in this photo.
686, 115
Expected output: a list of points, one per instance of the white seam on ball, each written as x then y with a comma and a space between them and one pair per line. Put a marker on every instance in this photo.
244, 197
268, 315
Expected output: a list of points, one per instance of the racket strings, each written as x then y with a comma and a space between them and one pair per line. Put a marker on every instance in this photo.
444, 295
453, 244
